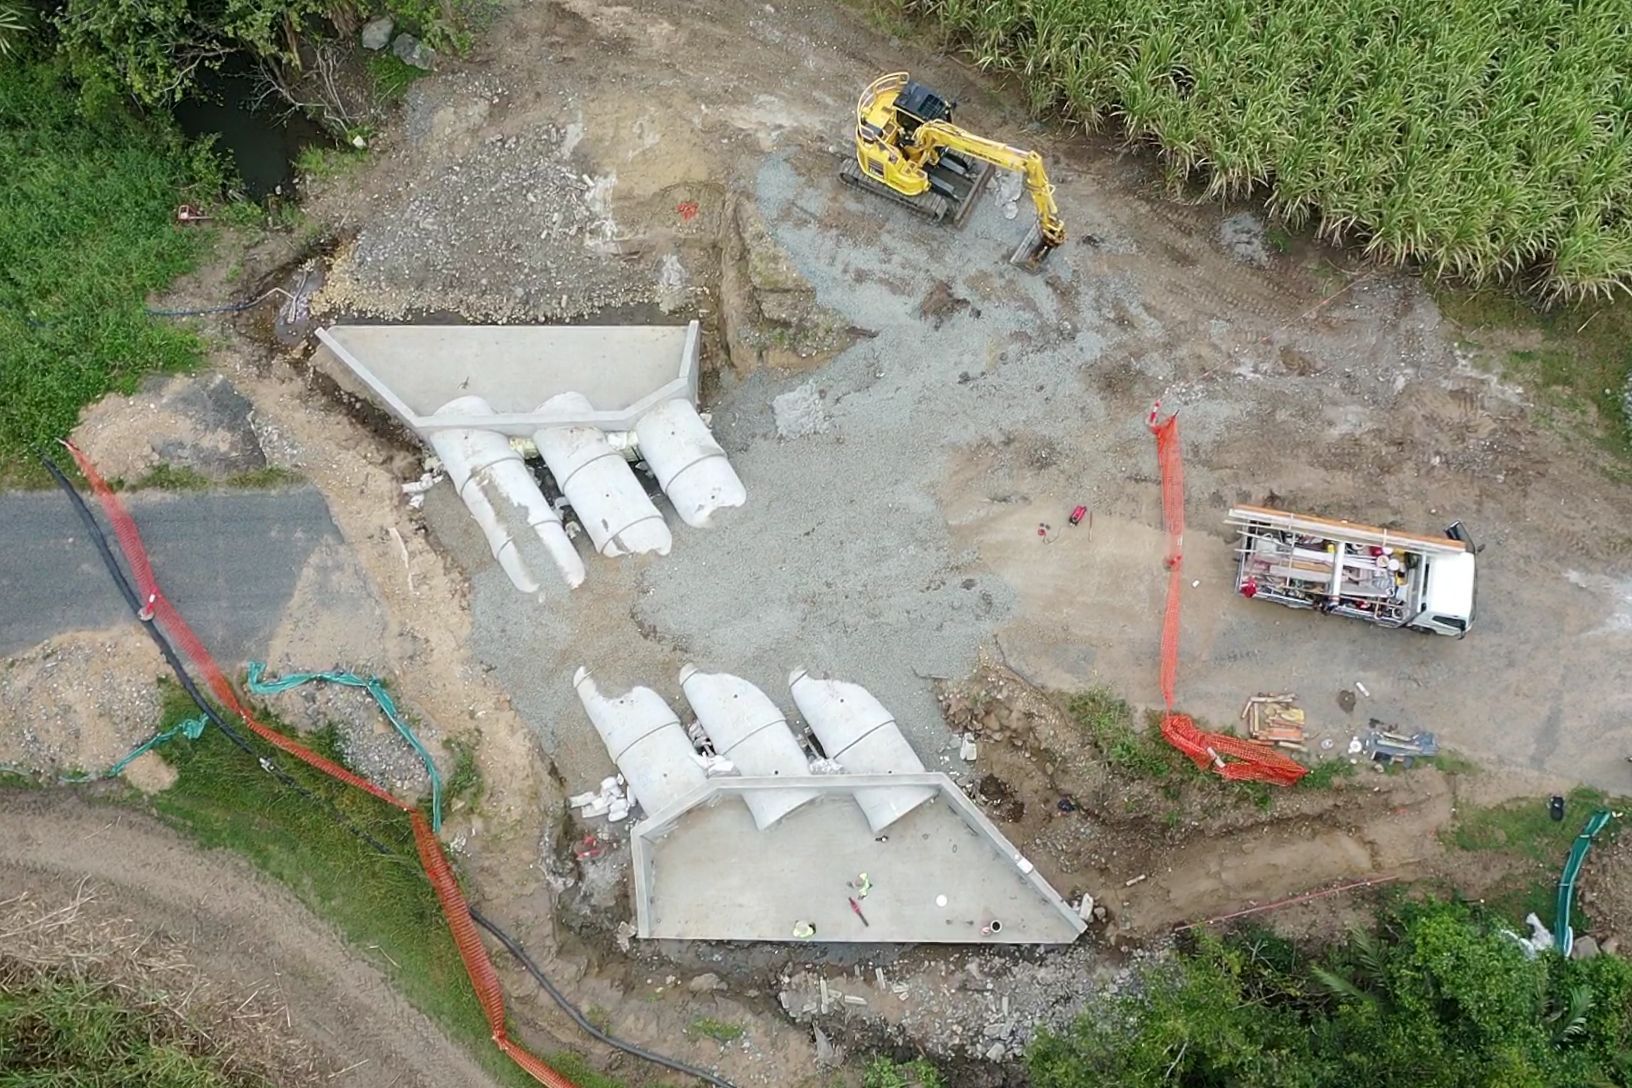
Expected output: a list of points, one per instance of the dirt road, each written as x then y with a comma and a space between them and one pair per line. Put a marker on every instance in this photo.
244, 933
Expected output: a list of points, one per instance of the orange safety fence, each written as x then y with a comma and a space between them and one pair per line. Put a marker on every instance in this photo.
1231, 757
158, 609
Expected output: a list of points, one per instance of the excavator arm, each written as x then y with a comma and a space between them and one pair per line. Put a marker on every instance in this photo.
937, 136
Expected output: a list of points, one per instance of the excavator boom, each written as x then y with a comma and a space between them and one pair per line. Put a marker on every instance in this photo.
1048, 232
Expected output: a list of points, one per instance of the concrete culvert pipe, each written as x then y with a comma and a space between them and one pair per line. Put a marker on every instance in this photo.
644, 738
689, 464
610, 502
748, 729
493, 481
862, 737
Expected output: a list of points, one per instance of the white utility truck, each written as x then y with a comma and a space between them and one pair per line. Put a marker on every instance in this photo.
1383, 576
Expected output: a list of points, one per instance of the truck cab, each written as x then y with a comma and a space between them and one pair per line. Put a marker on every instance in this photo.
1447, 596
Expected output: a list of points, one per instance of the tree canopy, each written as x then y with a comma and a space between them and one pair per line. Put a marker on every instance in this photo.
1436, 996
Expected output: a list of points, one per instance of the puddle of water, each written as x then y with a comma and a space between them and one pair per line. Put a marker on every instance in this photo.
262, 142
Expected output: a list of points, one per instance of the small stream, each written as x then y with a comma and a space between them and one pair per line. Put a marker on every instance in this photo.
263, 143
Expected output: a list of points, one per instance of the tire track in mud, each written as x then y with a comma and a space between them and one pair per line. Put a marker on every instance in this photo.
241, 929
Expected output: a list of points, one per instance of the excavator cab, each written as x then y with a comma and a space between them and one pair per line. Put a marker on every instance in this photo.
917, 103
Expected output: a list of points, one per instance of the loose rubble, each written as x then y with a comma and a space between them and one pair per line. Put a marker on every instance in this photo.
509, 231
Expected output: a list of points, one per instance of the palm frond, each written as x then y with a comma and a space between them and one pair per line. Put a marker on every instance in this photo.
1339, 986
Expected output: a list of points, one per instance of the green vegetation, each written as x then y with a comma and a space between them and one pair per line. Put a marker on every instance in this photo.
319, 161
464, 786
382, 903
1143, 754
881, 1072
1450, 762
1524, 832
1435, 997
153, 50
264, 478
1323, 774
1575, 361
391, 76
1482, 141
1525, 828
13, 25
1109, 723
720, 1031
58, 1030
87, 231
166, 477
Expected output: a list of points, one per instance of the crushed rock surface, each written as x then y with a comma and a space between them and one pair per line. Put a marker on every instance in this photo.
510, 230
78, 703
985, 1005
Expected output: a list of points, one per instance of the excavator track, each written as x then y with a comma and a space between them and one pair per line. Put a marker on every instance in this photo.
930, 205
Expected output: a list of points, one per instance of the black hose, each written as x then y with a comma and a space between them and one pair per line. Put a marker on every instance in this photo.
561, 999
100, 539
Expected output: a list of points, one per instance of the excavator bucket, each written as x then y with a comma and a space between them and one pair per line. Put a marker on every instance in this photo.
1032, 251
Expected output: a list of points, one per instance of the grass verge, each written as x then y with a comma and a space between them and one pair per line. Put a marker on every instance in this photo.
1143, 754
1524, 828
720, 1031
322, 162
58, 1030
1109, 723
1524, 831
382, 904
183, 478
87, 232
392, 76
1575, 361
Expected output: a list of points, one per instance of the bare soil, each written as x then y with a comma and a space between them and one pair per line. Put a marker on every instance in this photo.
78, 702
704, 142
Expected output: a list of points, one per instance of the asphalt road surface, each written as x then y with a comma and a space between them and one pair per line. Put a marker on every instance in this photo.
229, 560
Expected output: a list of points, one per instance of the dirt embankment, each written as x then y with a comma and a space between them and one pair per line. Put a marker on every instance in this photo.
1164, 847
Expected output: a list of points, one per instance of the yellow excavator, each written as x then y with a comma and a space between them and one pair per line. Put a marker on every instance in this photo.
909, 151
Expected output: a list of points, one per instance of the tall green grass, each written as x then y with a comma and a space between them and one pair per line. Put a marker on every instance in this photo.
1482, 139
87, 230
58, 1030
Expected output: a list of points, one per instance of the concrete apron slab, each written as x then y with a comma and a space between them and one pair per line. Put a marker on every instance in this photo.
704, 871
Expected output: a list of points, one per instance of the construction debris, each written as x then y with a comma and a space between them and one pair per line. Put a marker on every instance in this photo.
1275, 720
1385, 743
611, 801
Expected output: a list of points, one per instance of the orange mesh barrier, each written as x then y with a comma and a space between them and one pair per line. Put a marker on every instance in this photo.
158, 609
1231, 757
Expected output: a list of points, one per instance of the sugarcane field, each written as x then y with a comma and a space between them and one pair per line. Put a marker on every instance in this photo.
834, 544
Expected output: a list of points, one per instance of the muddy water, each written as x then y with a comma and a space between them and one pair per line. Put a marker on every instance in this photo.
261, 140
